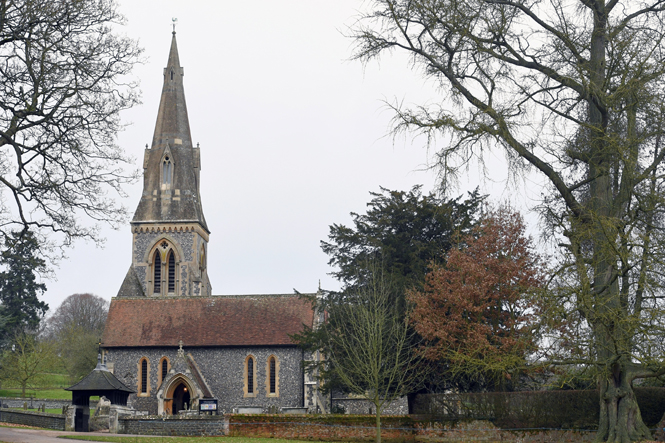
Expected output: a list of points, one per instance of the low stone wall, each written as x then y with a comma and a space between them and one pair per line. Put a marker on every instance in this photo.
36, 419
360, 406
340, 428
17, 402
207, 425
321, 427
395, 428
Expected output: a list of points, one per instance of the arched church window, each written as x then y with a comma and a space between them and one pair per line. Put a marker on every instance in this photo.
144, 376
164, 369
272, 377
157, 280
167, 170
250, 377
171, 272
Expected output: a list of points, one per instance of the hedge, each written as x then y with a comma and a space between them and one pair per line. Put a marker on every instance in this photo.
534, 409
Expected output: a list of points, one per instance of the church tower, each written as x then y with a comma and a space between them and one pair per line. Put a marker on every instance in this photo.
170, 234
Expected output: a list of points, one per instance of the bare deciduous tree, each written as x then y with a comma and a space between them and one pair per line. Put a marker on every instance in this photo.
64, 74
571, 90
27, 361
371, 348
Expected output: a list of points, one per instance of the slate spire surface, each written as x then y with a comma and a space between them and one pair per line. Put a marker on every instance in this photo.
171, 164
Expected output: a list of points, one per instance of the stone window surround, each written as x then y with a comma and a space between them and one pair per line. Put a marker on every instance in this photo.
164, 275
139, 379
245, 377
276, 393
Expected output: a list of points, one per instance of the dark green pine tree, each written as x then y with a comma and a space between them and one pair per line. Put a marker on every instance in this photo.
403, 232
400, 235
20, 306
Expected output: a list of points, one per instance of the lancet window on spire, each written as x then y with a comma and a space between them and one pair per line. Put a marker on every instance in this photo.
167, 171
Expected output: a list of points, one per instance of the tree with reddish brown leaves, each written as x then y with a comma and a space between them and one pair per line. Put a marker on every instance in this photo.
478, 310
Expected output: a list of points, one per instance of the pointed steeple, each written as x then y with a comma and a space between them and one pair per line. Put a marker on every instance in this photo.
172, 120
172, 164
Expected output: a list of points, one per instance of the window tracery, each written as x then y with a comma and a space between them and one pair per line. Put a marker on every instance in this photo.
164, 270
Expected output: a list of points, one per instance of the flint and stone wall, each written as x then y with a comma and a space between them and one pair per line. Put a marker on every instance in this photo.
17, 402
204, 425
36, 419
355, 406
223, 370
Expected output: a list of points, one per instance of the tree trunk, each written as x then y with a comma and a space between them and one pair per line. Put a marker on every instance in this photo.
378, 423
620, 417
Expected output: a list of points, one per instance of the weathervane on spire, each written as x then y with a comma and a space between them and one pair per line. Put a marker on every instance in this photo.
175, 22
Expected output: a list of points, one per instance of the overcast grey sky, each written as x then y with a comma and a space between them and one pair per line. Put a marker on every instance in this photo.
292, 136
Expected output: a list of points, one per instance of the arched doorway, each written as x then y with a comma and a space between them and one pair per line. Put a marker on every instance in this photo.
181, 396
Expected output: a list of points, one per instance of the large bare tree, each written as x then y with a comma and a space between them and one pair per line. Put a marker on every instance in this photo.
64, 81
370, 347
570, 90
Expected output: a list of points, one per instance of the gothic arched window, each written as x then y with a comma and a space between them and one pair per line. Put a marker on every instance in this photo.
157, 277
144, 377
272, 377
163, 369
167, 171
250, 377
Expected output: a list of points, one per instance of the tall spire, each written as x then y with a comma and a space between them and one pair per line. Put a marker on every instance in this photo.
172, 164
172, 120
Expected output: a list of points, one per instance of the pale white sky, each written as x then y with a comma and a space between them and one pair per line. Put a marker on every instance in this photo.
293, 137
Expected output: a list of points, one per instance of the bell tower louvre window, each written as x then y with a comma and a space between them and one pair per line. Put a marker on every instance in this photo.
171, 272
157, 266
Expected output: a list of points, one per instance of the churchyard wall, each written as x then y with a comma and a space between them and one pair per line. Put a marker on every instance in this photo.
18, 402
36, 419
203, 425
356, 406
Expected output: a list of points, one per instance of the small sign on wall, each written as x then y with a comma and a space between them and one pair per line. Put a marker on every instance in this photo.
208, 405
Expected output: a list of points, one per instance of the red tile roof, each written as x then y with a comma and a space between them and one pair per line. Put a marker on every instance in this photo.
251, 320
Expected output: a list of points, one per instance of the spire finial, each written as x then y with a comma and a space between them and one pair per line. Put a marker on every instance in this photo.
175, 22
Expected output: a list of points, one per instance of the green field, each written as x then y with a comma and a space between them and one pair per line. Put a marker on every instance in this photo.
182, 439
51, 386
38, 393
54, 380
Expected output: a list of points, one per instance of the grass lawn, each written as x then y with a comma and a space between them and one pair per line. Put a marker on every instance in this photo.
182, 439
51, 393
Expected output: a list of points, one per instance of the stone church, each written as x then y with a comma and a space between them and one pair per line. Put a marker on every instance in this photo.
166, 335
